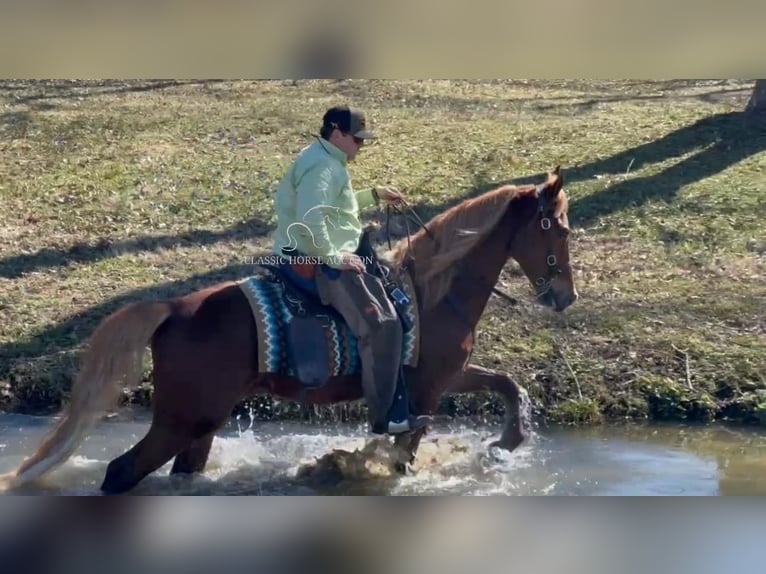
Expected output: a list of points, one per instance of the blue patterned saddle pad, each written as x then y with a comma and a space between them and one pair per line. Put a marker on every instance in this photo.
272, 314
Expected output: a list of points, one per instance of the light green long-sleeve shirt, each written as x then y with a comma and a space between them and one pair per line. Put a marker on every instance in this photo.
316, 206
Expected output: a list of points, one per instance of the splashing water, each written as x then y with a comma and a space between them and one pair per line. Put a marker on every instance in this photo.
251, 458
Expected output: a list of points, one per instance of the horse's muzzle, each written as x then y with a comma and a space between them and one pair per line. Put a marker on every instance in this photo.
557, 301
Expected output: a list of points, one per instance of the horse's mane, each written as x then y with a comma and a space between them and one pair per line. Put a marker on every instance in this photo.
456, 231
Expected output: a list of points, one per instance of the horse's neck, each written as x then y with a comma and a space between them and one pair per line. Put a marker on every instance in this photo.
478, 269
479, 274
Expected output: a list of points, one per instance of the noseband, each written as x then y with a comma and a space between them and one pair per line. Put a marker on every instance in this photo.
543, 284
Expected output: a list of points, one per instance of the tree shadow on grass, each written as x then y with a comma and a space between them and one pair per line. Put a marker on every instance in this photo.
17, 265
32, 91
715, 143
47, 95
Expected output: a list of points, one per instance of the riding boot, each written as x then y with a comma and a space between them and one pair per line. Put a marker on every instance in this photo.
401, 417
362, 300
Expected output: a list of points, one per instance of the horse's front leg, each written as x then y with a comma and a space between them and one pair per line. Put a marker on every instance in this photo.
407, 446
517, 424
425, 400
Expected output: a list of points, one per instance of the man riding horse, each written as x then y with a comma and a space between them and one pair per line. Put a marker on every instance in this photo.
318, 237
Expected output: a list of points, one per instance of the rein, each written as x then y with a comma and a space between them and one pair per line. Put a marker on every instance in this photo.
456, 303
419, 221
542, 284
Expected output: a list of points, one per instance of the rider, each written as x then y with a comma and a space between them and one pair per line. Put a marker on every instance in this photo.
319, 232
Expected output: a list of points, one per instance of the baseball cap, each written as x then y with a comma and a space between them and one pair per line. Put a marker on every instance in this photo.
348, 120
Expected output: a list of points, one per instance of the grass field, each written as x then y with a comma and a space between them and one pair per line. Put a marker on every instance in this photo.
116, 191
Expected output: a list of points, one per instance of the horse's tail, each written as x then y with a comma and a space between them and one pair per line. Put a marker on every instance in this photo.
113, 360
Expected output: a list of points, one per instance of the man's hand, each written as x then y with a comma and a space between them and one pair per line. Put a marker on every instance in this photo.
352, 262
389, 194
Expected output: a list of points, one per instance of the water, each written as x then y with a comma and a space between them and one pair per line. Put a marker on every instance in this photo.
281, 458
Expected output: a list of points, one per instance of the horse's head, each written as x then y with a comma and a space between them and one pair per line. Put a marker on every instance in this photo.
541, 245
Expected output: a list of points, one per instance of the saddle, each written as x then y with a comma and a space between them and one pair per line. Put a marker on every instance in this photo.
301, 336
310, 319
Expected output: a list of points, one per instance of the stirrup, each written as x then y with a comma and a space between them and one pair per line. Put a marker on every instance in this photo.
410, 424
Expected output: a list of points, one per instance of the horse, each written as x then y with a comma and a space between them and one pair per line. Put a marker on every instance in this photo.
204, 344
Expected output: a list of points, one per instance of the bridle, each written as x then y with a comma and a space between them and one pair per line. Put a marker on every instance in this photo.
543, 284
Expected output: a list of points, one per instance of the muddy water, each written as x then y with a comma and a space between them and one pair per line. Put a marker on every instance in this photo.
281, 458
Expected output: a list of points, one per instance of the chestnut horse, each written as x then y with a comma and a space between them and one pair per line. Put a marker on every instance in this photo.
204, 344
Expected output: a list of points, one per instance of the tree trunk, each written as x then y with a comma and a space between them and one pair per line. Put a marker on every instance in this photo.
757, 101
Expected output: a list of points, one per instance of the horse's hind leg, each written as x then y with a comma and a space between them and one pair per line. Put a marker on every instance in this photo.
158, 446
474, 379
193, 458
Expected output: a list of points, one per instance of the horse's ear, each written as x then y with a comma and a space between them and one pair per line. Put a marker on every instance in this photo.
555, 183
